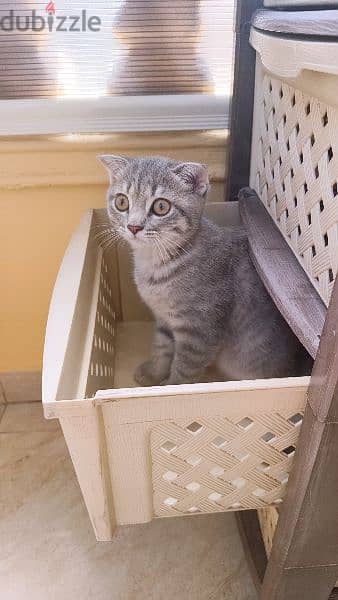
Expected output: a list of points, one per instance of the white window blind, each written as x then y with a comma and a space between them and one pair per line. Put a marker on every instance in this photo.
69, 66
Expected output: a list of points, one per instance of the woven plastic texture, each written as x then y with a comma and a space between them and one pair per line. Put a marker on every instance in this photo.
215, 465
101, 369
295, 173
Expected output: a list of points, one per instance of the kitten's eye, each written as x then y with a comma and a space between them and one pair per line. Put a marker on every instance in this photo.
161, 207
121, 202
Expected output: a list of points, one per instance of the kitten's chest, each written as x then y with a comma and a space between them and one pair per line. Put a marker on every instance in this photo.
160, 297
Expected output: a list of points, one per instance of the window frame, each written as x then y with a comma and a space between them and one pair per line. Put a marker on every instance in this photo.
166, 112
242, 101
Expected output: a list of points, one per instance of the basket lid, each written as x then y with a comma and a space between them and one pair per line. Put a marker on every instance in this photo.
300, 3
309, 23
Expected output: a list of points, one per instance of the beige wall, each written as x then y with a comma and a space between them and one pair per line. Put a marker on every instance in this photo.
45, 185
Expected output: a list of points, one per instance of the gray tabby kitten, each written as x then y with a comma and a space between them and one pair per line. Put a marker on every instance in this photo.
197, 278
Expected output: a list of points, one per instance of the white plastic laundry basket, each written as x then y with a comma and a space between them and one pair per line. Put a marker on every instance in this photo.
294, 163
142, 453
300, 3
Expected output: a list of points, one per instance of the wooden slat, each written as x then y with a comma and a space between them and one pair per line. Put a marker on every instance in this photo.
254, 549
304, 558
281, 273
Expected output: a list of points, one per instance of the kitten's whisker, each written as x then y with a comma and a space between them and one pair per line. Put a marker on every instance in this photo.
168, 250
105, 241
160, 247
102, 225
103, 233
177, 247
160, 251
108, 240
105, 246
120, 242
106, 228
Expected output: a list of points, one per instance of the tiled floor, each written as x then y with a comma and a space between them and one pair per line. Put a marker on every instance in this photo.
48, 550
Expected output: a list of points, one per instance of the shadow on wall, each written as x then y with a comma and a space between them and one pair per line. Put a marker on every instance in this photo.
161, 49
24, 73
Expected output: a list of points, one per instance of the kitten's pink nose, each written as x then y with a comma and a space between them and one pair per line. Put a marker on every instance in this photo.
134, 228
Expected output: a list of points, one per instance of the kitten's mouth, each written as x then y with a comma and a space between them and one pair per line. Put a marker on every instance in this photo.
136, 239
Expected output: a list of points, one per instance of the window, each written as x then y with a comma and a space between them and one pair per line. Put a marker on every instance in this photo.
115, 65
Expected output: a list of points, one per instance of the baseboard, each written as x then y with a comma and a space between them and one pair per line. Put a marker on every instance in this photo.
20, 386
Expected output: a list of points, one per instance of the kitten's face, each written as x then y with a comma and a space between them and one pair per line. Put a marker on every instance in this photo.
155, 201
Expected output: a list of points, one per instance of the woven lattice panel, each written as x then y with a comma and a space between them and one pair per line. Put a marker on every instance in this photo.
101, 372
215, 464
295, 173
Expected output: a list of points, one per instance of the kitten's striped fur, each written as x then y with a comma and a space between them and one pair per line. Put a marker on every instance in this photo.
197, 278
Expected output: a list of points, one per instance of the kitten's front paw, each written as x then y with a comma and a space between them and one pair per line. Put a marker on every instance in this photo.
144, 374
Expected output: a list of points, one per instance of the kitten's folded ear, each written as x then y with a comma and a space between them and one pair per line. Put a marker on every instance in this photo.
114, 164
194, 175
